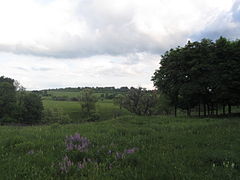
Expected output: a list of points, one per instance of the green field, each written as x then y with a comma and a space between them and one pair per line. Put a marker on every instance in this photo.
106, 109
166, 148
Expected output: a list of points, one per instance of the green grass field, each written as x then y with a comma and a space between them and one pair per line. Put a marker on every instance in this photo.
165, 148
106, 109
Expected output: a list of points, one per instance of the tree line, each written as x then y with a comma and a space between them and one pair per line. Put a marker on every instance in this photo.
203, 75
18, 105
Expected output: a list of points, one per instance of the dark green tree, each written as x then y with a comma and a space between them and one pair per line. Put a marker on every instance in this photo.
7, 97
30, 108
88, 100
140, 101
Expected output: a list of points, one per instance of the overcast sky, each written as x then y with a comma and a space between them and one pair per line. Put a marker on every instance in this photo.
71, 43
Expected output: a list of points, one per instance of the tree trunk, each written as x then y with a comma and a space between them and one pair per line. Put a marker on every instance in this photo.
216, 109
199, 110
175, 110
208, 109
212, 109
204, 109
224, 110
229, 109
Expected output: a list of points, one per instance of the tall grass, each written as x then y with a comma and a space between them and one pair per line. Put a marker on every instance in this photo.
163, 148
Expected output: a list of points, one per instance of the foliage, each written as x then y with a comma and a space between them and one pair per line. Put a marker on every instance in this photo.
163, 105
139, 101
119, 100
201, 73
17, 105
7, 98
29, 107
88, 102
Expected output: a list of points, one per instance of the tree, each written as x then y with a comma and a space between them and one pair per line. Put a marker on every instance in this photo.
7, 97
201, 73
88, 101
119, 100
30, 108
140, 101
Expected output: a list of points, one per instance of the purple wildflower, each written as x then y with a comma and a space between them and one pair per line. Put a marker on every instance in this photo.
77, 142
65, 165
80, 165
131, 151
83, 163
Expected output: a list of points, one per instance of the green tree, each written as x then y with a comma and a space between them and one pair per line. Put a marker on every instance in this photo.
119, 100
140, 101
7, 97
30, 108
201, 73
88, 100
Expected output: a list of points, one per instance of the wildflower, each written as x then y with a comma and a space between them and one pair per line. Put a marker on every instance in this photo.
131, 151
65, 165
83, 163
80, 165
77, 142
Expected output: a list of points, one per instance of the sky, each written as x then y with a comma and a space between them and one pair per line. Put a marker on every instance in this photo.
77, 43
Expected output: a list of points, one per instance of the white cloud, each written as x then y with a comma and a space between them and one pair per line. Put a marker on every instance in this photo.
82, 28
102, 42
39, 73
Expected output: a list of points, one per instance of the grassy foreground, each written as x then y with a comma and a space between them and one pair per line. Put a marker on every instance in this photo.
162, 148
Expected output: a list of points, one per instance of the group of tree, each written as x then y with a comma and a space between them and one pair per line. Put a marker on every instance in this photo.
203, 75
18, 105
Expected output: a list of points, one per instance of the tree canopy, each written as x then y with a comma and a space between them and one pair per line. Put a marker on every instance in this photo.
203, 73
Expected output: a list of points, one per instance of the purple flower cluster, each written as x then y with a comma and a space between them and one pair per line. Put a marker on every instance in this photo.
65, 165
77, 142
120, 155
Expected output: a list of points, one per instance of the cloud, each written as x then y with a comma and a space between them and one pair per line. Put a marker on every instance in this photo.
226, 24
62, 43
104, 70
85, 28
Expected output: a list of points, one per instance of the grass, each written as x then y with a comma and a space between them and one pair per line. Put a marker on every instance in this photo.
168, 148
105, 108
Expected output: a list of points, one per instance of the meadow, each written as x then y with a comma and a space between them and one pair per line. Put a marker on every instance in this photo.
128, 147
105, 108
120, 145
